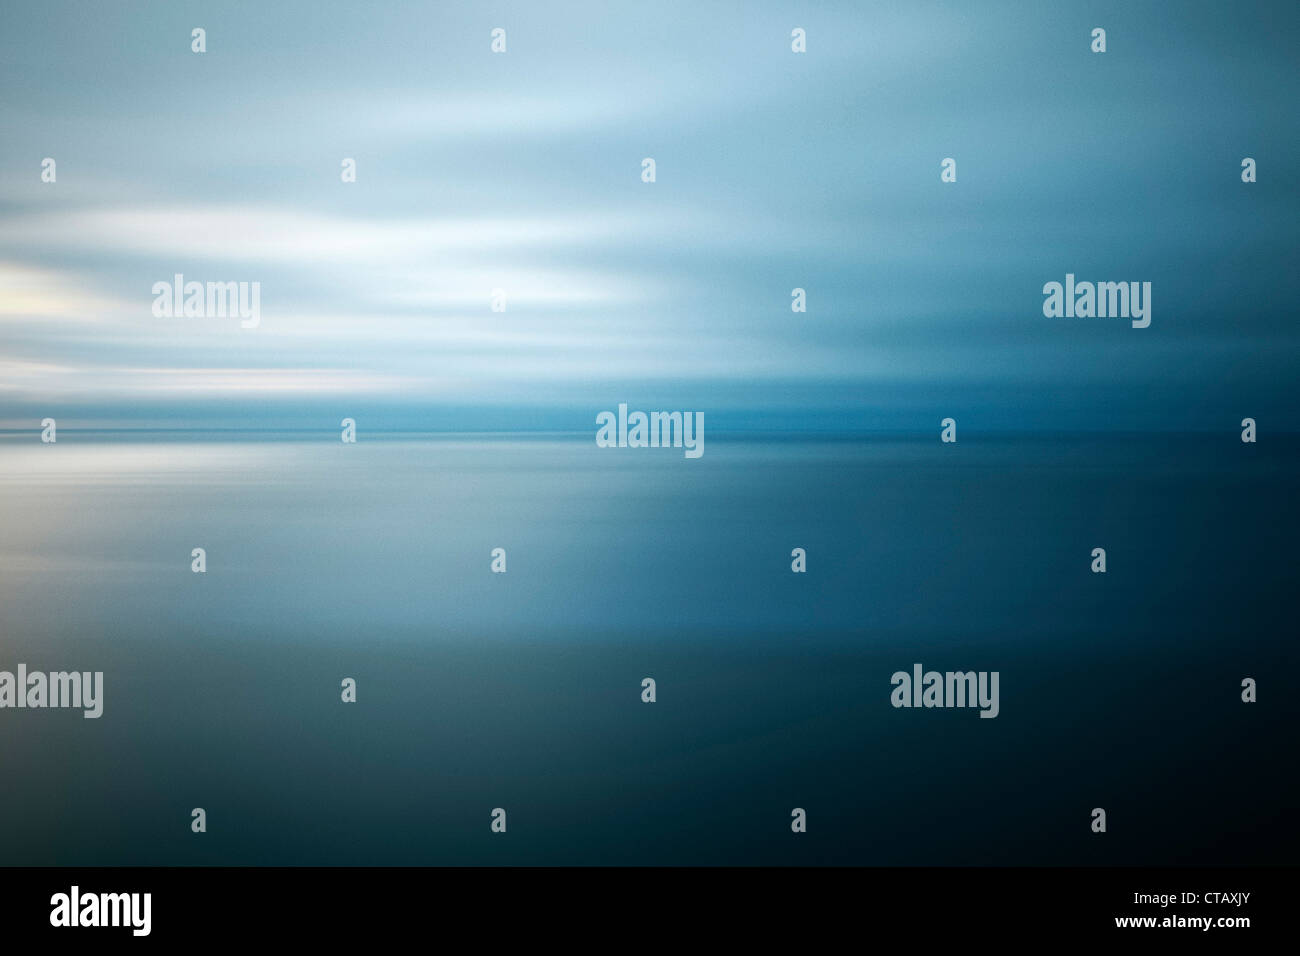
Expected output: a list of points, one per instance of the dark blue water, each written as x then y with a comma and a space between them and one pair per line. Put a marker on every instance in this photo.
522, 691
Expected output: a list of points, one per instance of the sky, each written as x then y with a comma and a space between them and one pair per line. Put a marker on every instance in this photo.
522, 171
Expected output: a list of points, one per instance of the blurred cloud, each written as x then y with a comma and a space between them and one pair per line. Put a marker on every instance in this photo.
522, 173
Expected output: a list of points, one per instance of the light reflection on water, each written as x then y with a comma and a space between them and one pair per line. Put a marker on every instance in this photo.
522, 690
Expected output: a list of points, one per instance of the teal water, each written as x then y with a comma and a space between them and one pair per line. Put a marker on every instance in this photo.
478, 690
